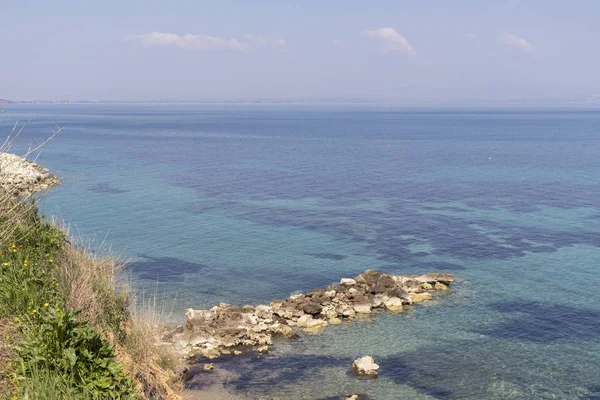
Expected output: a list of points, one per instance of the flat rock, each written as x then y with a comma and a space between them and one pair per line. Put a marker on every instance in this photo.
434, 277
419, 297
362, 308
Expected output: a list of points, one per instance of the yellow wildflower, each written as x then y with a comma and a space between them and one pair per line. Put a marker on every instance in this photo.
13, 245
50, 260
46, 304
57, 309
33, 311
5, 264
14, 250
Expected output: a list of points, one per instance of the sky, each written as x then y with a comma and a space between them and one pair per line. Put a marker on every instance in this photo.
410, 51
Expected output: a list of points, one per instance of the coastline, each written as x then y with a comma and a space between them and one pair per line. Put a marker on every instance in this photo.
233, 330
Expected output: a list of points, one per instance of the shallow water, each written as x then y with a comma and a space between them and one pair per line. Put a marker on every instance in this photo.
246, 203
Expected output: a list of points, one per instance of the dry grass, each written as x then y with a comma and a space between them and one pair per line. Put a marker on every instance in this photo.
96, 285
156, 367
93, 285
9, 336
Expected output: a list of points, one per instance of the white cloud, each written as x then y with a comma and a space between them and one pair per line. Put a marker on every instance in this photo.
515, 41
265, 41
337, 42
205, 42
188, 41
393, 41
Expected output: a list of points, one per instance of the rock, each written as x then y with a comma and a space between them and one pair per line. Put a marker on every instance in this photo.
398, 292
362, 308
393, 304
412, 286
387, 281
419, 297
365, 367
310, 322
354, 397
435, 277
284, 330
209, 352
262, 349
170, 334
314, 329
377, 288
263, 311
208, 367
377, 300
225, 329
369, 277
21, 178
312, 308
349, 312
198, 317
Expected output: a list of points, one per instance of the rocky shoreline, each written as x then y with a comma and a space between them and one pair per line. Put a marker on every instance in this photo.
21, 178
230, 329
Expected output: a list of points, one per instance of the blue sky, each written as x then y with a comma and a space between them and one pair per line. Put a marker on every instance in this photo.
421, 51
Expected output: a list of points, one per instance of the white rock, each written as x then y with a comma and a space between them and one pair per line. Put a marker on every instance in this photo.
365, 366
362, 308
347, 281
393, 303
263, 311
310, 322
198, 317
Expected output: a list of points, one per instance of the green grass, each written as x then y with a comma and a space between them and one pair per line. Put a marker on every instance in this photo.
61, 356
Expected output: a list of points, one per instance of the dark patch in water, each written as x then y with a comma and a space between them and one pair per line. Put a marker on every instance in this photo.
328, 256
545, 323
164, 269
279, 370
594, 393
105, 187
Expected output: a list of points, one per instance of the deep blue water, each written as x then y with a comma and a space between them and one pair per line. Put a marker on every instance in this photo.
246, 203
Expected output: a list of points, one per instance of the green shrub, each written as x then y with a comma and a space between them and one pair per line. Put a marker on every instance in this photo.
61, 345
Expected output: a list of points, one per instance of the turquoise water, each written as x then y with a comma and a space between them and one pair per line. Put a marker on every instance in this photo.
246, 203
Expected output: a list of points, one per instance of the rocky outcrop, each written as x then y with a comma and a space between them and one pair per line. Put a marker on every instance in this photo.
229, 329
365, 367
21, 178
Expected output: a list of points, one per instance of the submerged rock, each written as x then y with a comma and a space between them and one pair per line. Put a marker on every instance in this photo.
365, 367
419, 297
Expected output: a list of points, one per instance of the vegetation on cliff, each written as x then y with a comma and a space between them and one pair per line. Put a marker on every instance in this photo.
70, 327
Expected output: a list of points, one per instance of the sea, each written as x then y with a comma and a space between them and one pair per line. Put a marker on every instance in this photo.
245, 203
